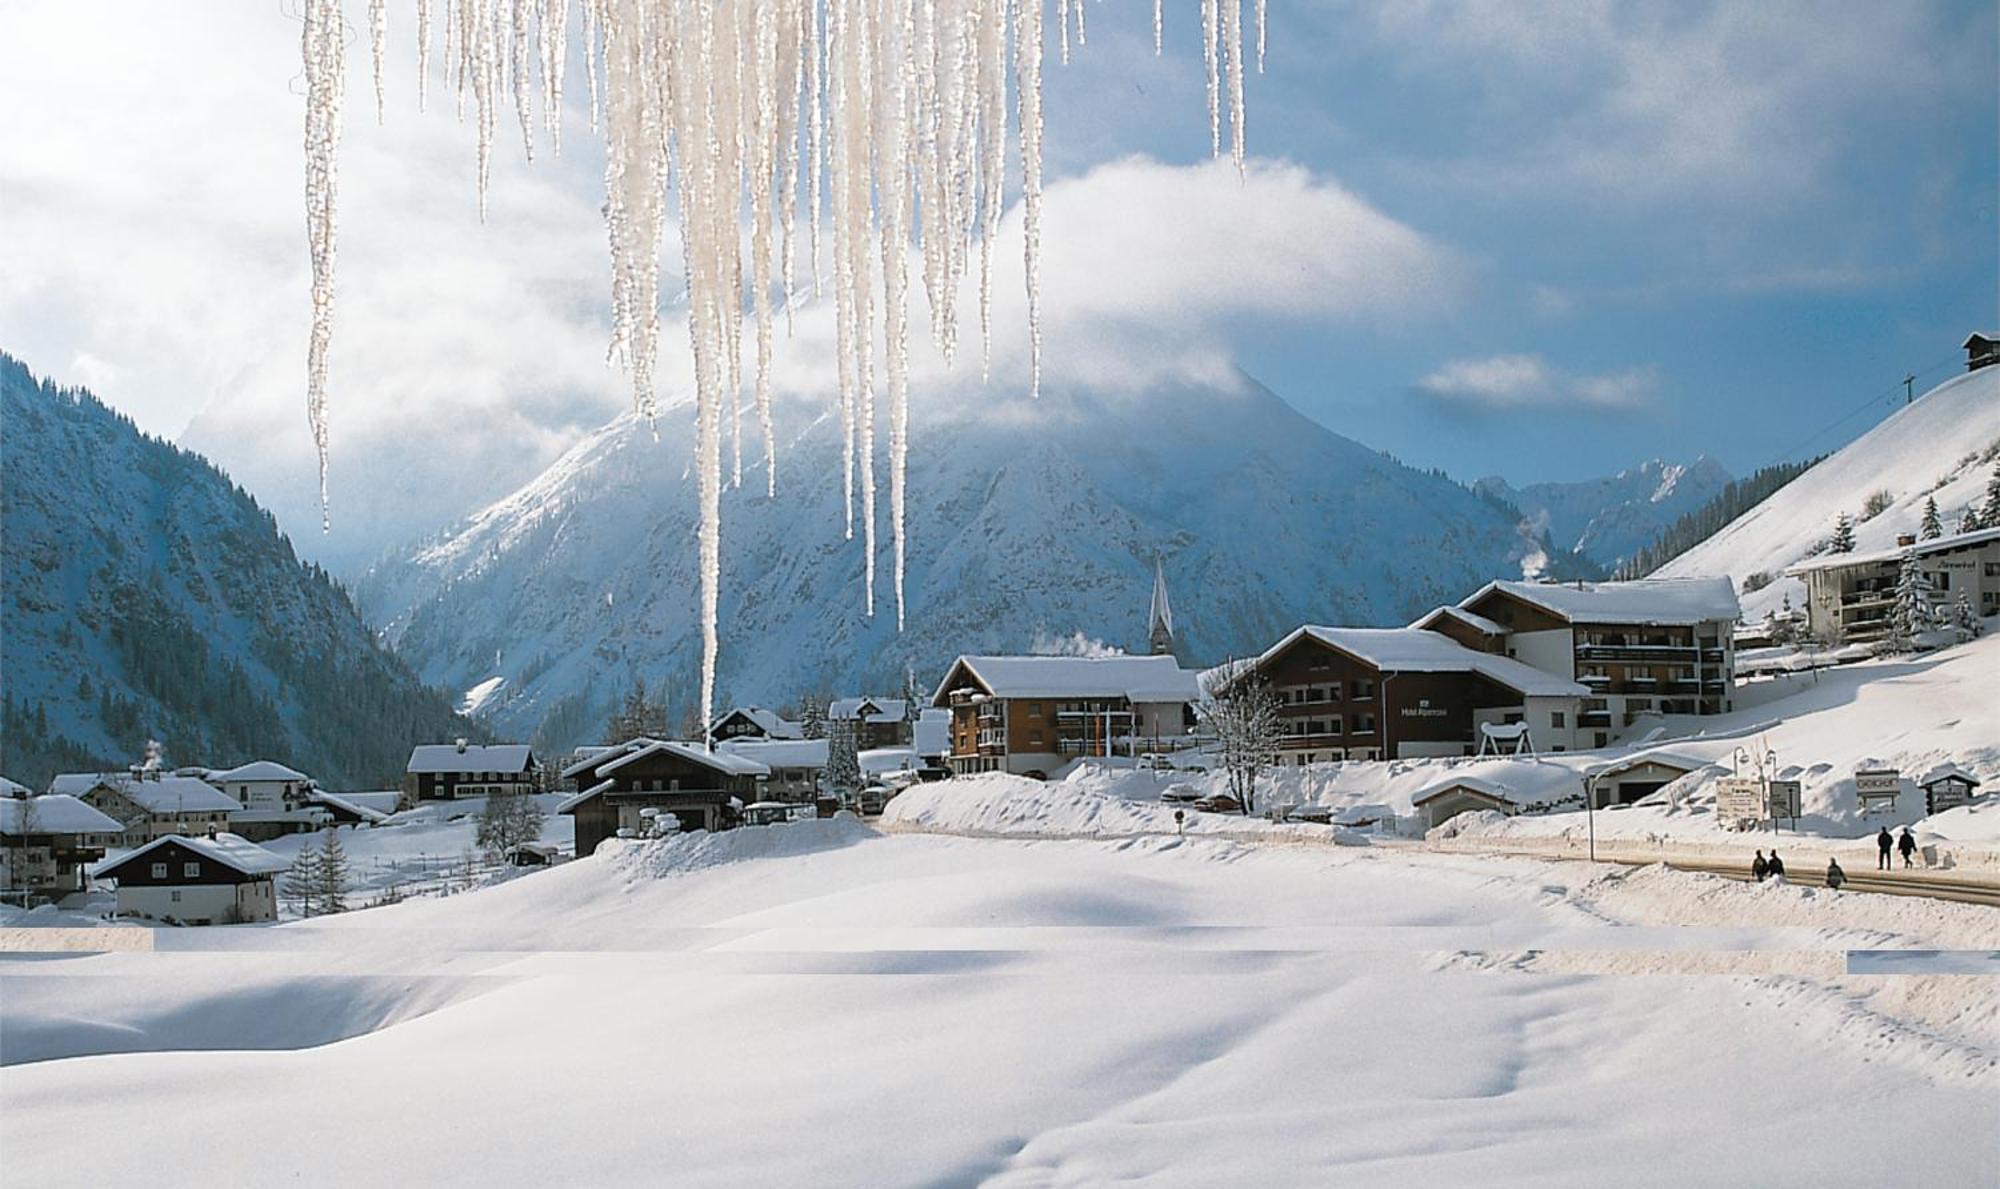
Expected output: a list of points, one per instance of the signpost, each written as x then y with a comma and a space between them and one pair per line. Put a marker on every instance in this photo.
1878, 789
1782, 800
1740, 798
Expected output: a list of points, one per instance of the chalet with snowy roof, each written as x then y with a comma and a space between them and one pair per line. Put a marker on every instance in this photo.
447, 771
1982, 348
754, 722
356, 809
1651, 646
1947, 786
1640, 774
1850, 597
794, 766
153, 804
1030, 715
275, 800
47, 843
1390, 693
879, 722
705, 789
211, 879
1462, 794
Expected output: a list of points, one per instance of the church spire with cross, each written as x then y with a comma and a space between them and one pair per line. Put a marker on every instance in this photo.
1160, 620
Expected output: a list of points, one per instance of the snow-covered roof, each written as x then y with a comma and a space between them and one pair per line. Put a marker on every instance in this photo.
1642, 601
9, 788
349, 804
571, 802
1947, 771
1461, 615
1413, 650
726, 762
172, 794
877, 709
57, 813
773, 724
259, 770
1665, 757
1990, 336
1137, 678
1470, 784
76, 784
472, 757
931, 736
1950, 544
876, 760
230, 850
779, 753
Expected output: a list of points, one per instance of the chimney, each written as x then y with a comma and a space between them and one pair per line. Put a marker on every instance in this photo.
460, 743
1903, 539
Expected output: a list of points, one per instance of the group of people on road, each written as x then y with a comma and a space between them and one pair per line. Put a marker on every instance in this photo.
1906, 845
1762, 868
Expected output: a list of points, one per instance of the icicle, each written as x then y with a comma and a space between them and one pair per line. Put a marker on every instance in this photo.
378, 44
593, 23
1232, 33
815, 56
763, 148
423, 52
520, 45
1081, 39
485, 72
1062, 25
322, 45
555, 57
993, 160
1209, 37
1260, 35
1159, 30
896, 260
1028, 71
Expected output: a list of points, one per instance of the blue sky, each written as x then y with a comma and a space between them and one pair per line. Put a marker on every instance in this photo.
1543, 240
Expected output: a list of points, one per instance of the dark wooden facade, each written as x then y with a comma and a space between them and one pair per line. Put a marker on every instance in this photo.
1669, 668
171, 865
692, 791
1335, 703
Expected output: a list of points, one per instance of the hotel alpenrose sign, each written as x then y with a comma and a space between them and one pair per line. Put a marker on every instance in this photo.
1423, 709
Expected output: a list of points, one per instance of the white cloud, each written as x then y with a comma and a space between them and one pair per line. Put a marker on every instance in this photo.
1507, 382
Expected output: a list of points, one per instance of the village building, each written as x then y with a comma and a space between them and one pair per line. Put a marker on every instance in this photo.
1645, 647
703, 789
754, 722
275, 800
1641, 774
794, 765
1030, 715
930, 738
356, 809
879, 722
1851, 597
1462, 794
218, 879
447, 771
1982, 349
150, 804
1395, 693
48, 842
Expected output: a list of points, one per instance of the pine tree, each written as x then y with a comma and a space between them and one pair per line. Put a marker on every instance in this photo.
1965, 619
812, 718
302, 881
1932, 527
1968, 520
1843, 535
1989, 516
332, 874
1912, 610
843, 759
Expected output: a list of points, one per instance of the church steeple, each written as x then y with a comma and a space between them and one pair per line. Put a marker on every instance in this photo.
1160, 620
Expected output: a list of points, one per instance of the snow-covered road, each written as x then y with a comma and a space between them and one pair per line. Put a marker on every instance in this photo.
816, 1004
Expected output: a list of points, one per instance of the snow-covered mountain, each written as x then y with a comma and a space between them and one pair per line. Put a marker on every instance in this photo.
144, 595
1942, 446
1031, 524
1608, 519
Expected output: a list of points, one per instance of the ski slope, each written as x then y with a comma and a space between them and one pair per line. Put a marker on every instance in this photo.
814, 1003
1941, 446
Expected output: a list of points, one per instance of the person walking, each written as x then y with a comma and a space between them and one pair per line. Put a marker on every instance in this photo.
1907, 844
1834, 875
1777, 866
1883, 845
1759, 868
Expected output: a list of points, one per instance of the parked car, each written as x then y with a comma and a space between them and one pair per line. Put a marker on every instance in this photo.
873, 798
1219, 803
1180, 794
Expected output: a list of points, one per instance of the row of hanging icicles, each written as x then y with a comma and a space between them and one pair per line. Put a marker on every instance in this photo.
893, 113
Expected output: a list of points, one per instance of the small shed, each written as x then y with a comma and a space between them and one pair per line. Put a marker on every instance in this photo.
1981, 348
1442, 802
1947, 786
533, 854
1634, 777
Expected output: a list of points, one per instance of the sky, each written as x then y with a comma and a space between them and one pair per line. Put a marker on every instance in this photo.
1539, 240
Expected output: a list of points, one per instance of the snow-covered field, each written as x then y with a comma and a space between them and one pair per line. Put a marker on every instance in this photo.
815, 1003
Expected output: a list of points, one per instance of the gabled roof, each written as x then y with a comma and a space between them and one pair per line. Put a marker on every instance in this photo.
1136, 678
57, 813
1980, 336
778, 753
76, 784
1665, 757
773, 724
571, 802
231, 851
1479, 622
611, 759
1948, 544
172, 794
9, 788
1947, 771
428, 758
1497, 793
367, 813
256, 770
1414, 650
1642, 601
873, 709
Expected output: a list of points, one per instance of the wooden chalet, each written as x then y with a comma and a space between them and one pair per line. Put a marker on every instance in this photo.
1030, 715
47, 843
447, 771
218, 879
703, 789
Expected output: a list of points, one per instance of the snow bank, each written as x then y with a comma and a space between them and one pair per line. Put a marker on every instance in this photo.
684, 853
1092, 803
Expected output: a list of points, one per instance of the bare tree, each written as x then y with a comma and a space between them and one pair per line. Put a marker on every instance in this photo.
508, 820
1243, 716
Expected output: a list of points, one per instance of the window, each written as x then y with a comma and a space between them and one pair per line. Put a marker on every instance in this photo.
1364, 690
1034, 710
159, 871
175, 895
1556, 719
191, 870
